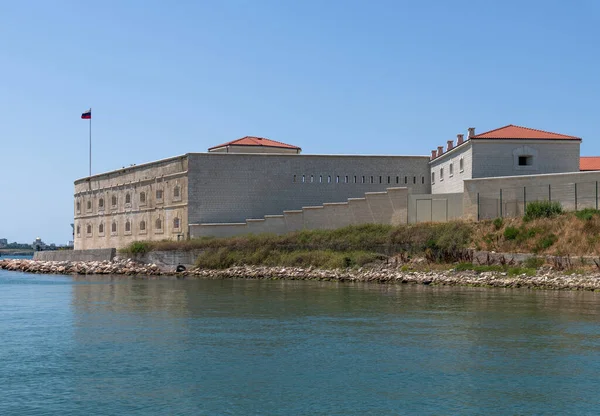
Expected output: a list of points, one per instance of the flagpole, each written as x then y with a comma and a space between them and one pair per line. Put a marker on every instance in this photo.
90, 142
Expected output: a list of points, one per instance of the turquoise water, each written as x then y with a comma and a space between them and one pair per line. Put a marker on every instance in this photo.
118, 346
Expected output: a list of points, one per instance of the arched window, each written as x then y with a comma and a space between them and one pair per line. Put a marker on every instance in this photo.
89, 228
128, 198
101, 203
461, 164
114, 200
142, 225
142, 197
176, 192
127, 226
101, 228
158, 224
89, 205
113, 227
78, 205
176, 222
78, 230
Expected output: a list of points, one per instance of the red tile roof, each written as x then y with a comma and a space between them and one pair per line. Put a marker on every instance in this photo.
256, 141
589, 163
517, 132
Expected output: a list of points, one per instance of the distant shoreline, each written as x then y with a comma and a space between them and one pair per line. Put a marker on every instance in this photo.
15, 252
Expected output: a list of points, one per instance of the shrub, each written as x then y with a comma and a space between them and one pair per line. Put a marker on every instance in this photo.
533, 263
138, 247
511, 233
498, 223
587, 214
547, 241
542, 209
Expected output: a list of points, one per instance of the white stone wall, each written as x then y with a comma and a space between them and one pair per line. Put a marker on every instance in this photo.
452, 183
493, 158
93, 221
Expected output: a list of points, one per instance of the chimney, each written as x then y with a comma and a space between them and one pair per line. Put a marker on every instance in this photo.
450, 145
459, 139
471, 132
433, 154
440, 150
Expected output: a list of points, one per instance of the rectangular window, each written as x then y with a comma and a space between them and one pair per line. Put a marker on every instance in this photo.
451, 170
414, 180
303, 179
346, 179
525, 160
329, 179
320, 178
363, 179
397, 179
461, 165
388, 179
441, 174
405, 180
312, 179
423, 180
371, 179
294, 179
354, 178
380, 179
337, 179
432, 178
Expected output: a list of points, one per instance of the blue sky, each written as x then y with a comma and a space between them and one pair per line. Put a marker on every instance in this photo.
332, 76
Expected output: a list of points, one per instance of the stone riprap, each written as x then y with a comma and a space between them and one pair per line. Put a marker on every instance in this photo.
545, 278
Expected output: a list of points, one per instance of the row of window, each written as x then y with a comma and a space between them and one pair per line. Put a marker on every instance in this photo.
451, 171
354, 179
142, 199
158, 225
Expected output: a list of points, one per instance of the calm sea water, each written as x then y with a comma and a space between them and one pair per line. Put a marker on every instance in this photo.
118, 346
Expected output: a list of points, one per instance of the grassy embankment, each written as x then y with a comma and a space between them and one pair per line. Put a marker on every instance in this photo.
545, 230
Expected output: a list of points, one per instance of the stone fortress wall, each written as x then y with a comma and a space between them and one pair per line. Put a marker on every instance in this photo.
143, 202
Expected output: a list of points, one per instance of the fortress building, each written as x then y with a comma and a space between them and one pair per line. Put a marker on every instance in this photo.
255, 184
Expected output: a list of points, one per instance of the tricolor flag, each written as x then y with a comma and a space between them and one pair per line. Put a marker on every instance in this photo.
87, 115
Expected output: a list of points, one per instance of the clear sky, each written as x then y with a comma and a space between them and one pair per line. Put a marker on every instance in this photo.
332, 76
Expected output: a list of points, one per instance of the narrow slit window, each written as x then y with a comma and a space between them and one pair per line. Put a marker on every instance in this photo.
389, 179
405, 180
346, 179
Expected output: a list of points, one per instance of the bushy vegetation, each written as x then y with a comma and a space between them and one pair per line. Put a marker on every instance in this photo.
542, 209
587, 214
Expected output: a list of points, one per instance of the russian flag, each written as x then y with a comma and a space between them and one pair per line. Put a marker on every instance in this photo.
87, 115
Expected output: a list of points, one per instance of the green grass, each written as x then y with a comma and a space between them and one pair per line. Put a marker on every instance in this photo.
587, 214
542, 209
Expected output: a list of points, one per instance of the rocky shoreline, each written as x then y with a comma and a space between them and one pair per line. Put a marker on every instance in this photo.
545, 279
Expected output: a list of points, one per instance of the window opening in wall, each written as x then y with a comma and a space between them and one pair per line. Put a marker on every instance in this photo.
320, 178
101, 203
525, 160
303, 179
312, 178
127, 226
328, 178
414, 180
388, 179
380, 179
176, 191
363, 179
461, 164
78, 230
337, 179
142, 197
372, 180
142, 225
128, 198
176, 222
158, 224
89, 205
101, 228
405, 180
441, 174
451, 169
422, 180
113, 227
354, 178
89, 229
397, 179
346, 179
432, 177
294, 180
78, 206
159, 194
114, 201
